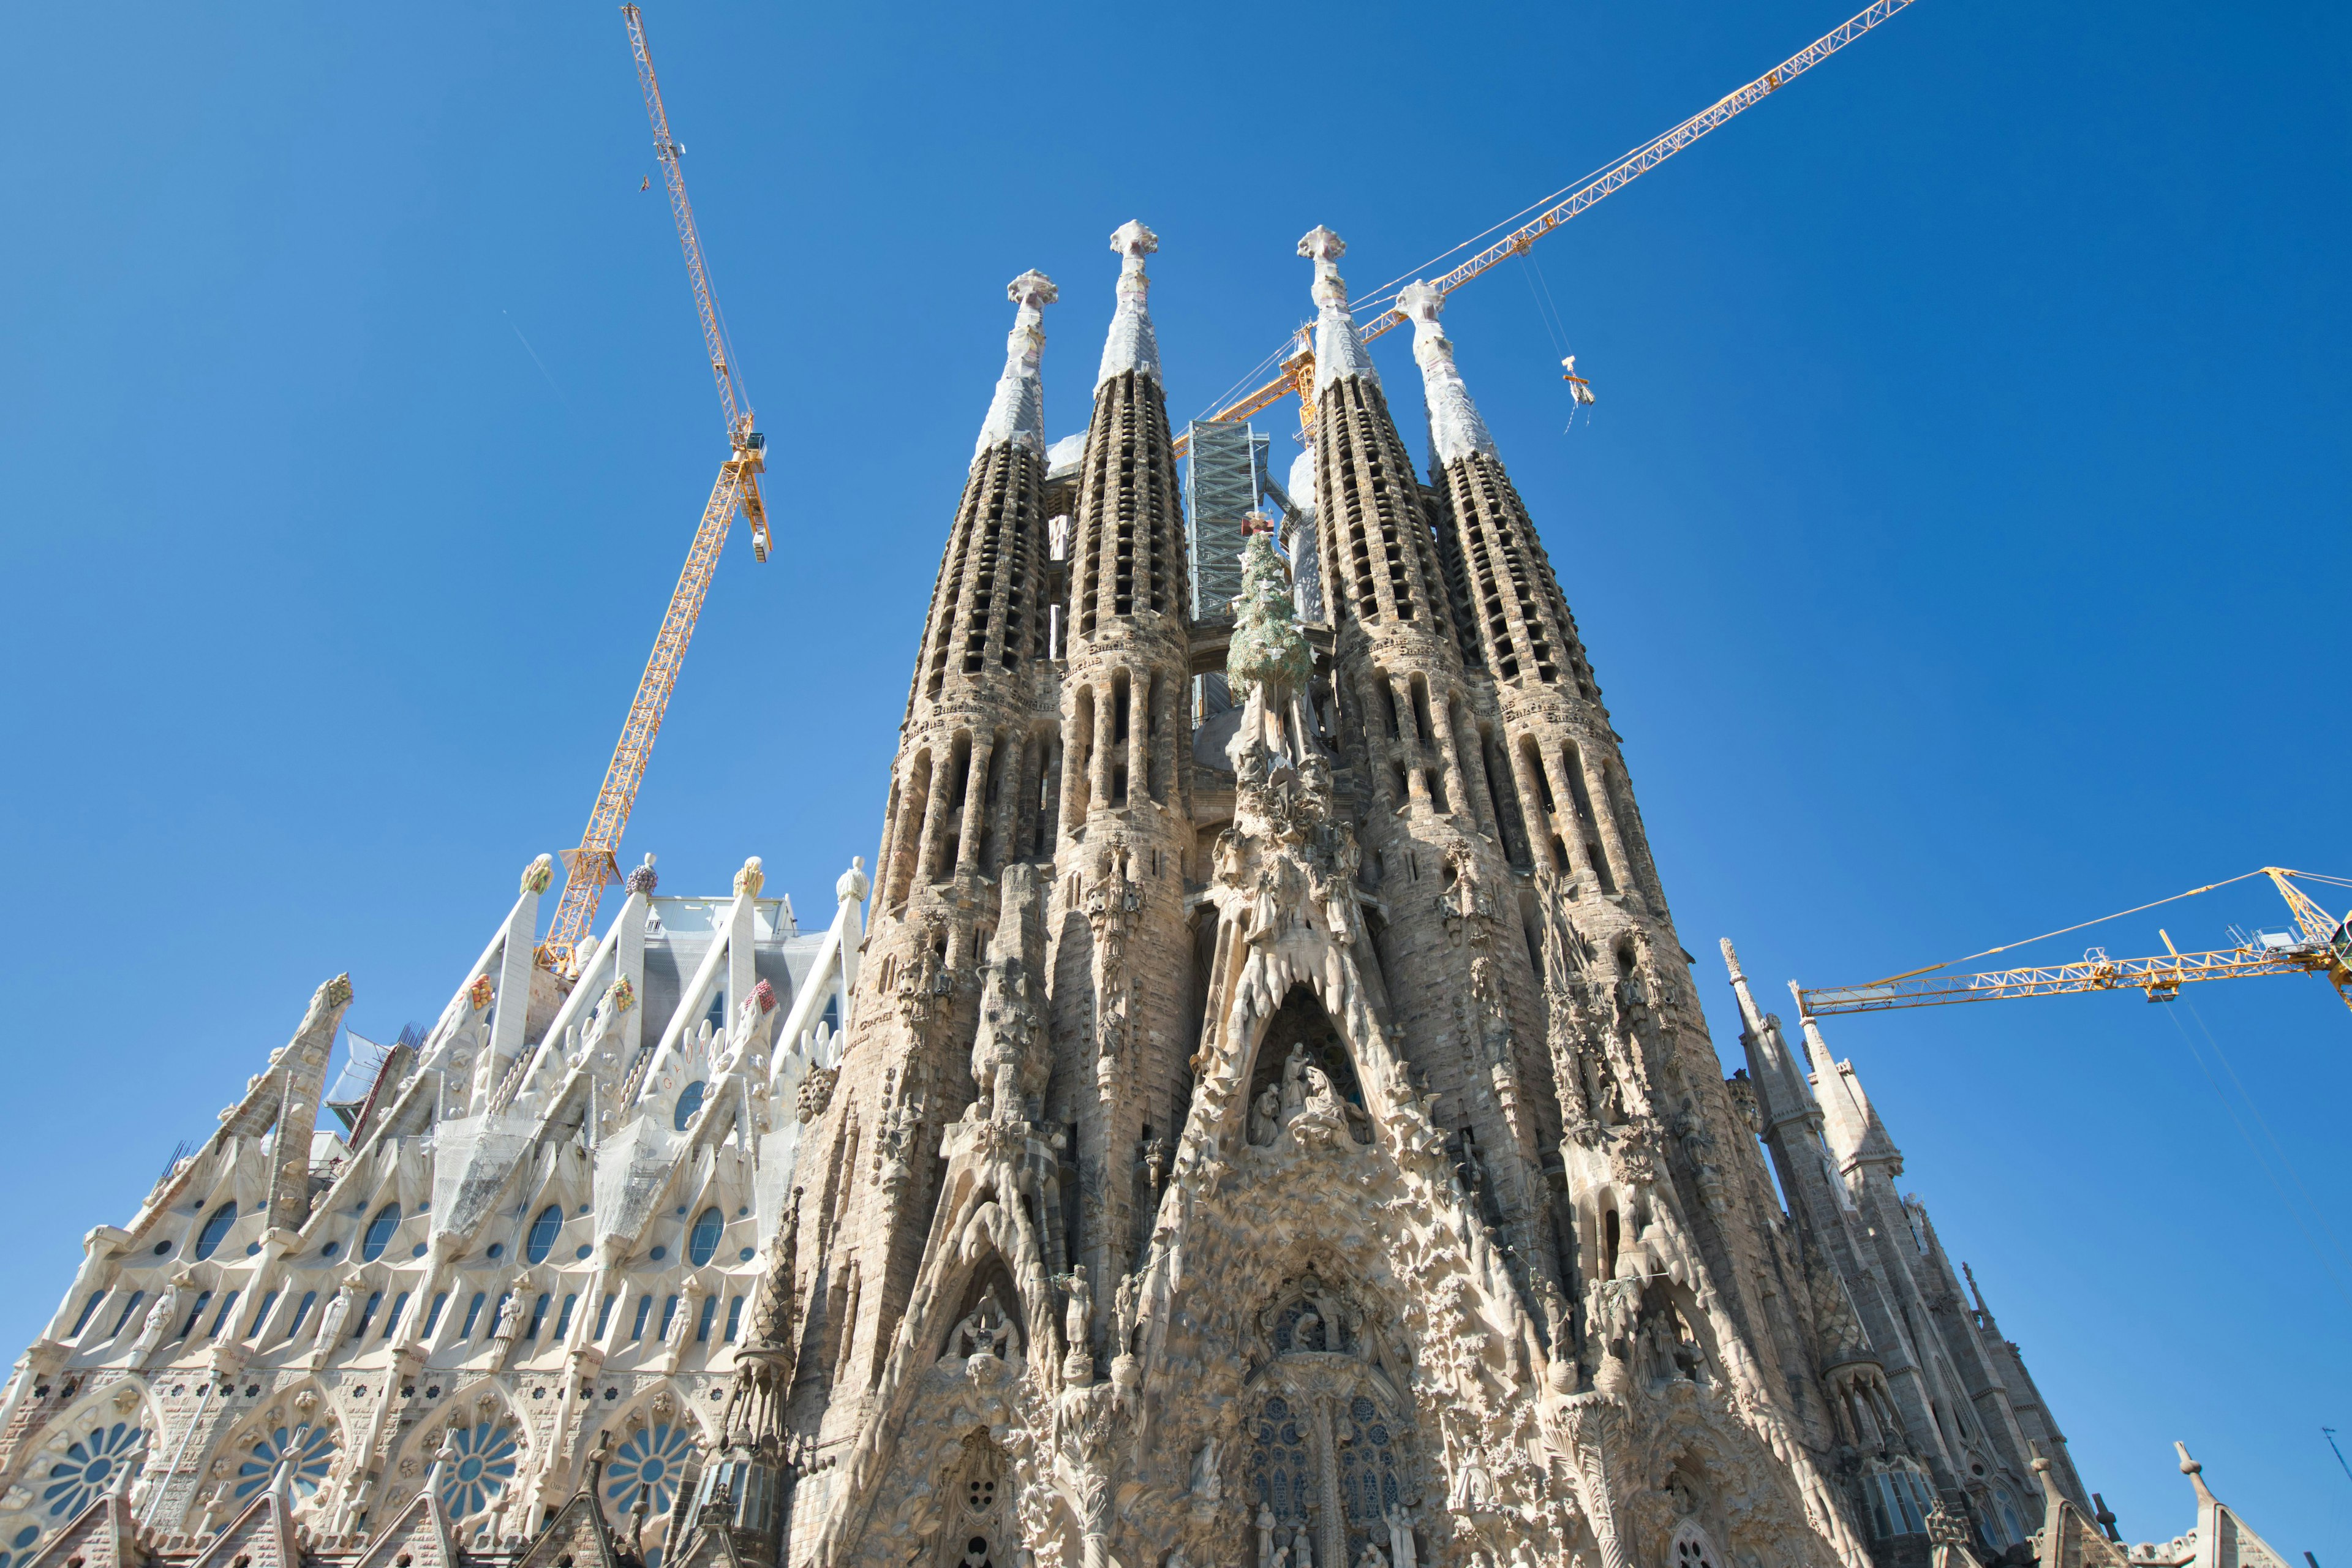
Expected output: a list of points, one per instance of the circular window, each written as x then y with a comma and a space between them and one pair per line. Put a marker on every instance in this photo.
379, 1232
658, 1252
582, 1250
331, 1248
81, 1473
306, 1450
215, 1230
703, 1240
744, 1256
485, 1455
652, 1457
495, 1249
542, 1233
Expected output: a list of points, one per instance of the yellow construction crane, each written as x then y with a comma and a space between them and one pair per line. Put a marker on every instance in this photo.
590, 869
1298, 357
2319, 943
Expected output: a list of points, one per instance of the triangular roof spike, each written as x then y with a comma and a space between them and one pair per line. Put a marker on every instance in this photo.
420, 1532
264, 1532
1131, 344
577, 1530
103, 1535
2069, 1540
2223, 1540
1017, 412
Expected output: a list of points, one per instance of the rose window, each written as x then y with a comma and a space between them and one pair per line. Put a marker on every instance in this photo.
84, 1471
306, 1450
652, 1457
481, 1465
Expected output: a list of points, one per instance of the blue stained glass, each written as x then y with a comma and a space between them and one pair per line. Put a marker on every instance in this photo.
309, 1450
309, 1299
703, 1243
484, 1465
644, 1305
86, 1469
564, 1319
734, 1317
543, 1232
379, 1232
690, 1101
228, 1305
27, 1536
203, 1300
215, 1229
87, 1309
128, 1308
399, 1305
473, 1312
654, 1456
433, 1313
710, 1312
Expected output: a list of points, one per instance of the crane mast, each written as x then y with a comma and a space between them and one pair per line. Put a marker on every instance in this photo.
591, 867
1632, 166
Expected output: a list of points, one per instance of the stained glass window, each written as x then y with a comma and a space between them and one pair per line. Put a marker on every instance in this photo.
88, 1465
309, 1450
703, 1242
208, 1239
542, 1233
690, 1101
484, 1464
1278, 1476
378, 1233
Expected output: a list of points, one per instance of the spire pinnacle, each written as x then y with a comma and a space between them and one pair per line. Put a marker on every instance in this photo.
1456, 431
1339, 348
1132, 345
1017, 412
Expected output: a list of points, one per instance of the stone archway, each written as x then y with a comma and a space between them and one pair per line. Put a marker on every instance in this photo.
1328, 1451
1301, 1040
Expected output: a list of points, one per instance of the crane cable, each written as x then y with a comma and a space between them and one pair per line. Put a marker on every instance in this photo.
2062, 931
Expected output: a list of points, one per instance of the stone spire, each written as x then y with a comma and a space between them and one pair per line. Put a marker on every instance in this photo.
1132, 345
1338, 346
1017, 412
1456, 431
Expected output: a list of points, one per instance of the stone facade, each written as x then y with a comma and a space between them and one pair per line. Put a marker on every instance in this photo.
1290, 1140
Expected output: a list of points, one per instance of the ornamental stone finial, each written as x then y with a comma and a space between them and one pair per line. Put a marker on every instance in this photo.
1033, 288
539, 874
852, 887
750, 880
1320, 244
1132, 239
641, 879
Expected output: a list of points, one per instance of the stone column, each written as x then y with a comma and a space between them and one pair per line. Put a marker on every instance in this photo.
975, 803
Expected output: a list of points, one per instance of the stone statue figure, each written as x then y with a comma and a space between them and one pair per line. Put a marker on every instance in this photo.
1294, 1077
331, 1321
1079, 1314
1373, 1557
1401, 1548
1126, 1306
674, 1334
1265, 1116
1306, 1333
1265, 1536
1302, 1545
1208, 1486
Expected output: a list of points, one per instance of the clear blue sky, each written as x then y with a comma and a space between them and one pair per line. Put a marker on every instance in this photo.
1960, 538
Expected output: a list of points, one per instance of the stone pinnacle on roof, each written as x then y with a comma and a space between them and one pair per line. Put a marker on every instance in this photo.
1339, 348
1454, 428
1017, 412
1132, 345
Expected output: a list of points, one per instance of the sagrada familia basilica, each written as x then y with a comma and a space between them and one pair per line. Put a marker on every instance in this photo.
1264, 1118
